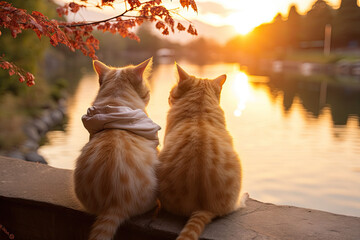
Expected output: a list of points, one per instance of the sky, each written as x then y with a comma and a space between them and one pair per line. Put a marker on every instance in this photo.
244, 15
224, 18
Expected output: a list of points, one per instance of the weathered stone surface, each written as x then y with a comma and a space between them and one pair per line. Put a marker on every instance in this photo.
40, 126
37, 182
16, 154
38, 202
46, 118
30, 145
31, 132
62, 105
56, 116
34, 156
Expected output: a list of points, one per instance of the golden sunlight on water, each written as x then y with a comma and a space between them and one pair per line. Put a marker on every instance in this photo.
289, 154
64, 147
242, 89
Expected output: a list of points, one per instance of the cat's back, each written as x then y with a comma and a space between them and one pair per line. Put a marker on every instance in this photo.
116, 166
202, 133
199, 168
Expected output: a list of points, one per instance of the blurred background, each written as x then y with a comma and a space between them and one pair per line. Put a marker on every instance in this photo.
291, 99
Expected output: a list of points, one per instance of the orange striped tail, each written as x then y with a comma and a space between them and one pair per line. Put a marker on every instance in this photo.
195, 225
106, 225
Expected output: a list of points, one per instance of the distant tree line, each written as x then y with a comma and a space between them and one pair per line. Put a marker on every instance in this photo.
306, 31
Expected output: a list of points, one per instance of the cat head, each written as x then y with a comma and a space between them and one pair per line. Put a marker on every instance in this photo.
191, 88
127, 84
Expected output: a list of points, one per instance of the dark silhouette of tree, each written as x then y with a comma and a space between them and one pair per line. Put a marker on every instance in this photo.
301, 31
346, 24
278, 28
293, 27
316, 19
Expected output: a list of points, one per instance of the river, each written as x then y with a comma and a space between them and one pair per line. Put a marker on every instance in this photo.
299, 141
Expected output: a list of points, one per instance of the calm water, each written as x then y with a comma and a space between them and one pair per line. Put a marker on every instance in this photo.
299, 142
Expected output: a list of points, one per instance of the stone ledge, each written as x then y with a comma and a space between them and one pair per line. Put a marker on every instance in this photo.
37, 202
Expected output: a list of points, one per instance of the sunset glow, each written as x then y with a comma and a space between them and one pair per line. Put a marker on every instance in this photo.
242, 16
248, 15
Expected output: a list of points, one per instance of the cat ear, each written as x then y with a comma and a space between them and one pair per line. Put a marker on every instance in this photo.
219, 81
140, 69
182, 74
99, 67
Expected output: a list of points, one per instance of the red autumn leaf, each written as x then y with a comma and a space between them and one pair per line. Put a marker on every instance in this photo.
170, 21
193, 5
30, 82
74, 7
36, 13
134, 37
166, 31
138, 21
4, 65
21, 78
14, 33
35, 23
180, 27
191, 30
160, 25
134, 3
185, 3
107, 2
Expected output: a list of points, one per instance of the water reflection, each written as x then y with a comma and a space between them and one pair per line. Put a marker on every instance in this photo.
299, 140
64, 146
342, 99
241, 88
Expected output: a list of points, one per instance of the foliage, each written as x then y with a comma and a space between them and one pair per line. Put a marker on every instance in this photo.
344, 28
18, 103
316, 18
79, 35
25, 51
10, 132
294, 21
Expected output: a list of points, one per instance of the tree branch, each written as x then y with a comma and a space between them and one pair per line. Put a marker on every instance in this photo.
105, 20
96, 22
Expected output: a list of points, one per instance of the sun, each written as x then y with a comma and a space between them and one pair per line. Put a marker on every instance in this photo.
242, 23
243, 28
247, 15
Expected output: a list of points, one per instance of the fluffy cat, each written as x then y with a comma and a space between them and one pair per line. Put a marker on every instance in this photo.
115, 172
199, 172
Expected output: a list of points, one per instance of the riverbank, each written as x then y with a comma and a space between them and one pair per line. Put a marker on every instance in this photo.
306, 64
34, 131
38, 202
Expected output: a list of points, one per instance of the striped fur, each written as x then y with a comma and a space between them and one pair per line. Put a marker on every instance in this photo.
115, 176
195, 225
199, 172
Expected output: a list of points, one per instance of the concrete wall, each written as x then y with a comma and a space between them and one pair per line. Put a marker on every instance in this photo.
37, 202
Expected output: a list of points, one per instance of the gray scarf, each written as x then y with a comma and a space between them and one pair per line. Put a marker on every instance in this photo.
124, 118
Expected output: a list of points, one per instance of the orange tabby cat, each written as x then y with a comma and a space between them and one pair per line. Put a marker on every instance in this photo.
199, 172
114, 176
